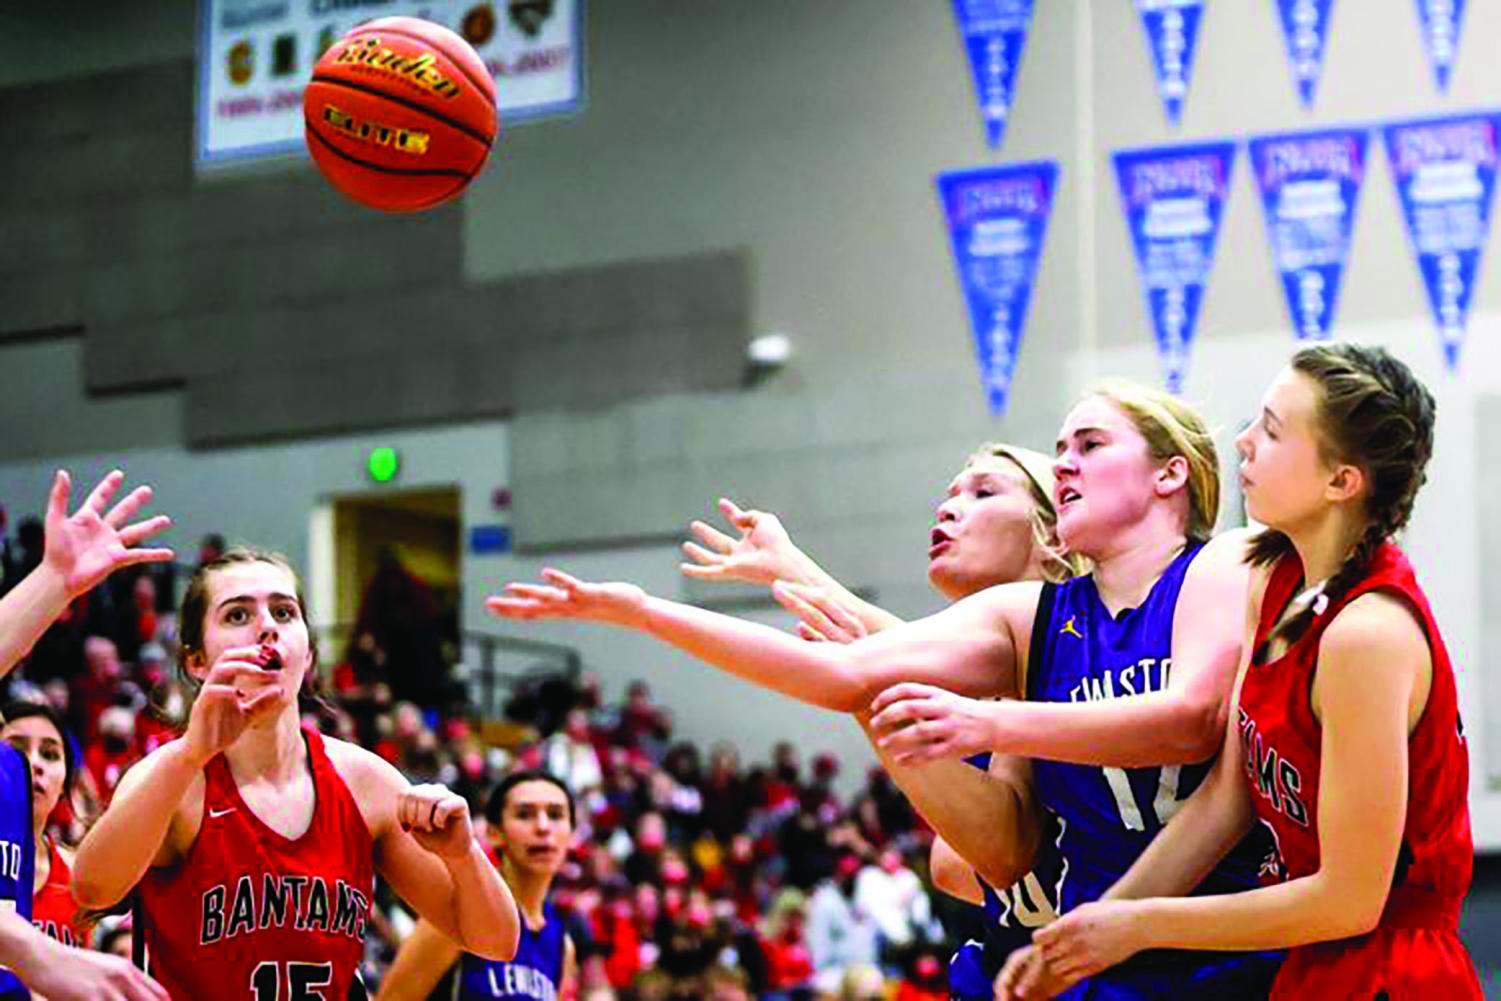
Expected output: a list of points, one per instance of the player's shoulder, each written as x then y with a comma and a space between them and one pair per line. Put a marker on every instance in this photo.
1228, 547
1221, 561
372, 781
359, 765
1374, 623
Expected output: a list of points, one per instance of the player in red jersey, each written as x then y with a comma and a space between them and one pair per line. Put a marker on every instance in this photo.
1347, 741
254, 842
81, 550
38, 732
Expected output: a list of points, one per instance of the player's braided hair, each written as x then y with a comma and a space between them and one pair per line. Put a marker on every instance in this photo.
1372, 413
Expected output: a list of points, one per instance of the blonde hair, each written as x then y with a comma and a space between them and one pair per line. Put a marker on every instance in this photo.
1172, 428
1058, 564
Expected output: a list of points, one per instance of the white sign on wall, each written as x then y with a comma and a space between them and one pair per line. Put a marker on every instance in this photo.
255, 56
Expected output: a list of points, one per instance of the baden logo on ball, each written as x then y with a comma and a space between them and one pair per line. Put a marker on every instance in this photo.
400, 114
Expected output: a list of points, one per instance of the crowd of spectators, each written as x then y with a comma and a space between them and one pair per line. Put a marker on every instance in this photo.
694, 875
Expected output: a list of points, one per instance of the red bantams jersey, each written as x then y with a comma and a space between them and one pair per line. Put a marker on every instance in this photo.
253, 915
1415, 951
53, 909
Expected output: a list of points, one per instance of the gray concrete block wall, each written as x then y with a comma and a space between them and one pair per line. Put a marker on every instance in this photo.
285, 310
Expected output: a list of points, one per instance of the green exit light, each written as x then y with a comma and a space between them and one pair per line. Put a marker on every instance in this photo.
383, 464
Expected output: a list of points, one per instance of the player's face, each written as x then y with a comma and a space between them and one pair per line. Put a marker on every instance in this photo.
38, 739
983, 535
1282, 473
1104, 476
534, 828
254, 606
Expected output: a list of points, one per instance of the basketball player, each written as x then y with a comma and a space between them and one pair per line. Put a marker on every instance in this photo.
1347, 742
81, 550
254, 842
1127, 672
530, 824
996, 524
38, 732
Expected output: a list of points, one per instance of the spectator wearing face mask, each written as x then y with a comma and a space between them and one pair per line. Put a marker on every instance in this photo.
108, 757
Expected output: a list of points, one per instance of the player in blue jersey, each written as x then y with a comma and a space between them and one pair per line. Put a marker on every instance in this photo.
81, 550
1137, 494
994, 525
530, 823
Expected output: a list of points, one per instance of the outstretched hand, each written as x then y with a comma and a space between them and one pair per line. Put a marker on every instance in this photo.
763, 553
566, 597
915, 723
87, 546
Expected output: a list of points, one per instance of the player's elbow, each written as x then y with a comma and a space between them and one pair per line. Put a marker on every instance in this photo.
1008, 860
1196, 729
1349, 910
499, 944
91, 891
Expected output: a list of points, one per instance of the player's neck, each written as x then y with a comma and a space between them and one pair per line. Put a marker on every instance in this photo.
43, 864
1125, 576
1324, 543
529, 889
274, 753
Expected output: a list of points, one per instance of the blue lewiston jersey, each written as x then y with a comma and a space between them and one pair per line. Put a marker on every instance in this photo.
1010, 916
1107, 816
536, 974
17, 851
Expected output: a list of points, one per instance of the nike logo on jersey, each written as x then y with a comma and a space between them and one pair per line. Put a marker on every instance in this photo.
1069, 629
216, 814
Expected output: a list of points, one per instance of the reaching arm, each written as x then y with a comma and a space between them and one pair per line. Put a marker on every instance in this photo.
1372, 661
765, 554
419, 964
81, 551
137, 831
968, 647
1179, 725
988, 819
62, 973
426, 849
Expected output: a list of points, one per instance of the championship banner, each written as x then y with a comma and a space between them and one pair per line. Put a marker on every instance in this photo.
995, 33
1440, 22
1445, 172
1305, 26
1173, 198
997, 218
1309, 184
1172, 27
255, 57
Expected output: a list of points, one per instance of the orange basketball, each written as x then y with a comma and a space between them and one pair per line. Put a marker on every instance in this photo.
400, 114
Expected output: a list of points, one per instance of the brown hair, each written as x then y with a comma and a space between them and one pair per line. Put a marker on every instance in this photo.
1371, 412
1172, 428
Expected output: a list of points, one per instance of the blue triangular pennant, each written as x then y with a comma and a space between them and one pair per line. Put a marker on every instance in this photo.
1305, 26
1445, 172
998, 218
1440, 20
995, 33
1172, 26
1310, 184
1173, 199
